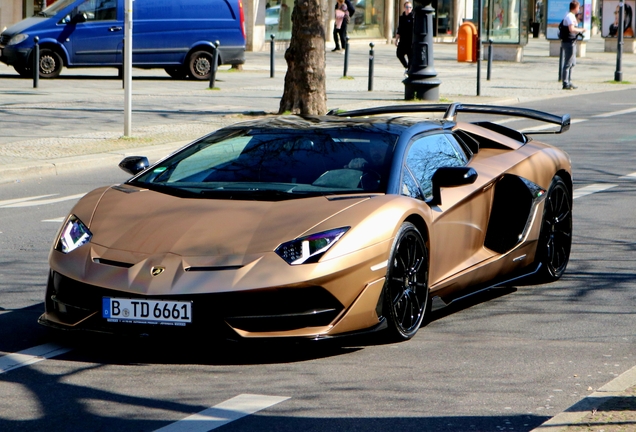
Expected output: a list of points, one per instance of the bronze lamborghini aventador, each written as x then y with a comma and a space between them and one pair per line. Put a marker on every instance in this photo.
316, 227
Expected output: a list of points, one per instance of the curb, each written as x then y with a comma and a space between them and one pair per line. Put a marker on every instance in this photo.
590, 403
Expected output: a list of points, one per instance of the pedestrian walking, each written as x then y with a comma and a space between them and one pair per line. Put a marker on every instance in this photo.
404, 36
568, 33
344, 11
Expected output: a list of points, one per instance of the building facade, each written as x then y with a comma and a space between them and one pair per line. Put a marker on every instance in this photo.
505, 21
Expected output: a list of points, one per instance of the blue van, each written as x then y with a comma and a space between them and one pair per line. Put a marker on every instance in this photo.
177, 35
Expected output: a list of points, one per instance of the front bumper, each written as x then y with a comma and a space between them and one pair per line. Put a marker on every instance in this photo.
297, 311
13, 56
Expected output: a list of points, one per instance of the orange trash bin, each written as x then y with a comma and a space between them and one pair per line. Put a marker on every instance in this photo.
466, 42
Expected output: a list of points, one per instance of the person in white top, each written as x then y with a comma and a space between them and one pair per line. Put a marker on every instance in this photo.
569, 45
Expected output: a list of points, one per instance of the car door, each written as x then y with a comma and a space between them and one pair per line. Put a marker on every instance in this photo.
93, 40
459, 223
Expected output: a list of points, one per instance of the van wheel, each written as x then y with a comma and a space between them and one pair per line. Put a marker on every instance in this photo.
200, 65
177, 72
50, 64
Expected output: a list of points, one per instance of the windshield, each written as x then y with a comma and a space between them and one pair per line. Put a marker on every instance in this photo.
280, 164
56, 7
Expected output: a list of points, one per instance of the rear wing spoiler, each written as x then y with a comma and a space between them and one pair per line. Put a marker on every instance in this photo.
450, 113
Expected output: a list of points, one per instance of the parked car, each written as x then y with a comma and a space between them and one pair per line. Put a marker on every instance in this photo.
178, 36
316, 227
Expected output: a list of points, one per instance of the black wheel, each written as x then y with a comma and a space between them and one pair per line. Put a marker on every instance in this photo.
50, 63
200, 65
177, 72
406, 294
555, 241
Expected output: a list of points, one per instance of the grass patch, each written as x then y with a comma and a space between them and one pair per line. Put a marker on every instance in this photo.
347, 77
617, 82
214, 88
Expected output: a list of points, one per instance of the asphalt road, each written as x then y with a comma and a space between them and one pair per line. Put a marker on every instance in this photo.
506, 360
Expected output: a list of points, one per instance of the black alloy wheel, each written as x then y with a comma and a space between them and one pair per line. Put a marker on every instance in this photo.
555, 241
406, 293
200, 65
50, 63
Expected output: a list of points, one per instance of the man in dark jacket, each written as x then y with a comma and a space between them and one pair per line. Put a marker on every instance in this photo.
404, 36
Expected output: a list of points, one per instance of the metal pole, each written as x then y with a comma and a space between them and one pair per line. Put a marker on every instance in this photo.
489, 60
215, 64
346, 59
128, 35
36, 62
560, 63
481, 20
618, 75
371, 45
123, 63
271, 57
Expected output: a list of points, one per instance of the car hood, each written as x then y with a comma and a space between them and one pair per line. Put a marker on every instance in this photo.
30, 24
147, 222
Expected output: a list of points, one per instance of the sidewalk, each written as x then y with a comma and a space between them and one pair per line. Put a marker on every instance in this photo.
77, 121
91, 100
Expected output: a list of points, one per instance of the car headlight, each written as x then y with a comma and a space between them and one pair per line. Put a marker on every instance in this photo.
17, 39
73, 235
309, 249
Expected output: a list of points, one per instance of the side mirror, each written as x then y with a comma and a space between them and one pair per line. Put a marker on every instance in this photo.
78, 17
134, 164
450, 177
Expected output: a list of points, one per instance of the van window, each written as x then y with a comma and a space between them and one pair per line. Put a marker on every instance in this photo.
99, 10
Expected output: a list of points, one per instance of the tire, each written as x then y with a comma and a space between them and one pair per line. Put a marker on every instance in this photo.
200, 65
177, 72
50, 63
555, 240
406, 294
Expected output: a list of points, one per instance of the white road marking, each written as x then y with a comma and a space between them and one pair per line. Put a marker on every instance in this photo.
615, 113
19, 200
590, 189
30, 356
33, 203
628, 176
223, 413
56, 220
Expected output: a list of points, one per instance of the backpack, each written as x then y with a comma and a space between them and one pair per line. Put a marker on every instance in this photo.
564, 32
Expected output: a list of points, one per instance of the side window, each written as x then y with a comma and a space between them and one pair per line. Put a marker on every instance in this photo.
410, 187
431, 152
99, 10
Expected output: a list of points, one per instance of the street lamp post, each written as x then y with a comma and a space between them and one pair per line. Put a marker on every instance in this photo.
128, 23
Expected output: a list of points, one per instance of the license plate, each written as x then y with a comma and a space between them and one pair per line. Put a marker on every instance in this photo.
138, 311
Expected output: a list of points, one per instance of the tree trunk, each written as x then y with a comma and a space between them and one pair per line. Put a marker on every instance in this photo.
305, 81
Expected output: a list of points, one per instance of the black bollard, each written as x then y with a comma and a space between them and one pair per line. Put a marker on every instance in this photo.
271, 57
36, 62
371, 45
346, 58
618, 73
215, 64
489, 67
